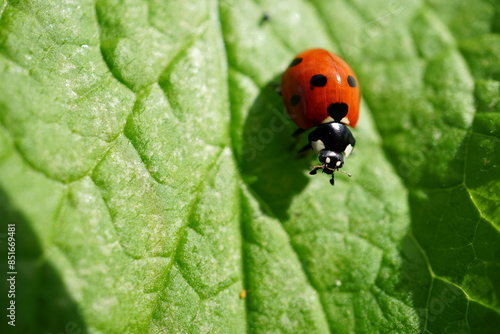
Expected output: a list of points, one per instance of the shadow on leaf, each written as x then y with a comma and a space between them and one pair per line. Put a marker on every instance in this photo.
43, 305
270, 164
459, 244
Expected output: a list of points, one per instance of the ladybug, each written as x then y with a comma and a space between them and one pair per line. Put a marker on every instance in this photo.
320, 90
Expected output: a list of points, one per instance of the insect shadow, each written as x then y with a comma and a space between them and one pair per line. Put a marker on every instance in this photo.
269, 160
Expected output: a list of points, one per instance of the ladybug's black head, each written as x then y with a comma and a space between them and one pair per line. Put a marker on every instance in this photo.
331, 161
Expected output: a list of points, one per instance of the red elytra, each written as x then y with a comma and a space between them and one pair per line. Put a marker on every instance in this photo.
320, 87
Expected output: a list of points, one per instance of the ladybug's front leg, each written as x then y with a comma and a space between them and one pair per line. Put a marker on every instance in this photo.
296, 138
297, 133
277, 87
304, 149
315, 169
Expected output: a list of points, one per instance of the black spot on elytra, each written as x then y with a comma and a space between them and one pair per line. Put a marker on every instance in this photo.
318, 80
295, 100
351, 81
337, 111
295, 62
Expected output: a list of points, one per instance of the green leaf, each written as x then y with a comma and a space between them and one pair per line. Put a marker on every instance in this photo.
145, 161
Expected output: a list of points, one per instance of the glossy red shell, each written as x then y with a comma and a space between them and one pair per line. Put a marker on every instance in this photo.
316, 80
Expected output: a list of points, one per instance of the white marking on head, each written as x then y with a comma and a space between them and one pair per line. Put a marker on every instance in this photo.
345, 120
317, 146
338, 163
327, 160
329, 119
347, 150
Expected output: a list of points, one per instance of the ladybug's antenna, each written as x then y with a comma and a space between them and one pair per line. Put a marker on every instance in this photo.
332, 180
346, 173
315, 168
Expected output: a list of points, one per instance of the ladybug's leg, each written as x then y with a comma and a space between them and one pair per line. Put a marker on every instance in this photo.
314, 169
296, 138
304, 151
276, 86
297, 133
332, 180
